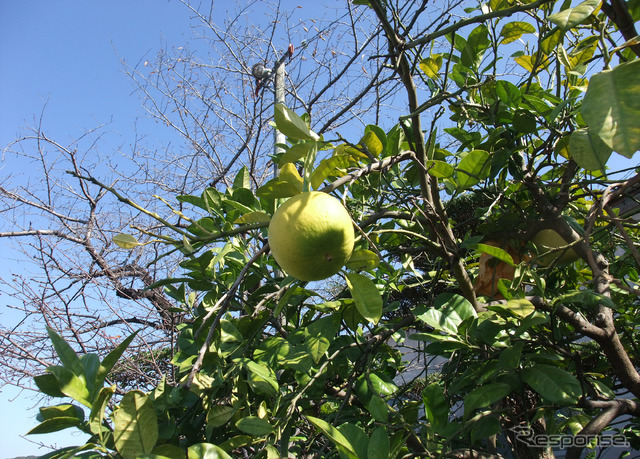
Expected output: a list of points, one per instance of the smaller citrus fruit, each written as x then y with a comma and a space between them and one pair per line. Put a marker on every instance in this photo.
311, 236
549, 241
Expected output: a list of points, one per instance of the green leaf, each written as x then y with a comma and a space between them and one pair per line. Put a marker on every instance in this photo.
125, 241
66, 354
261, 371
71, 385
372, 143
440, 169
585, 298
319, 335
571, 17
219, 415
111, 359
296, 152
366, 296
253, 217
495, 252
135, 425
520, 307
292, 125
242, 179
97, 416
553, 383
48, 385
472, 169
206, 451
611, 107
363, 259
55, 425
431, 66
379, 444
435, 405
378, 409
356, 436
166, 451
588, 150
333, 166
514, 30
334, 435
276, 189
255, 426
485, 395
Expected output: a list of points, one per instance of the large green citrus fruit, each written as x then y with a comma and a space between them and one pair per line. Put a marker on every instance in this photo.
548, 241
311, 236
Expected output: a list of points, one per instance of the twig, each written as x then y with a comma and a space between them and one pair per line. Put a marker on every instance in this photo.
220, 307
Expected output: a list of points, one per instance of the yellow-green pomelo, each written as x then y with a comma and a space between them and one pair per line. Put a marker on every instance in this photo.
311, 236
548, 241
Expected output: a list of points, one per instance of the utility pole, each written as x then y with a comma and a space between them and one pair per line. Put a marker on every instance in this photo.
278, 92
276, 74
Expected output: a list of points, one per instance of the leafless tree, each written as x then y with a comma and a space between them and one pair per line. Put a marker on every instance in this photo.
69, 275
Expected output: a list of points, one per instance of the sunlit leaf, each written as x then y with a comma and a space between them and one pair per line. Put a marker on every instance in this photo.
440, 169
472, 169
135, 425
276, 189
206, 451
291, 125
372, 143
514, 30
571, 17
296, 152
333, 166
431, 66
289, 173
253, 217
611, 107
125, 241
334, 435
363, 259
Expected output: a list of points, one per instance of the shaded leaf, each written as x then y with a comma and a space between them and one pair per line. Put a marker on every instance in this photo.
553, 383
379, 444
254, 425
484, 396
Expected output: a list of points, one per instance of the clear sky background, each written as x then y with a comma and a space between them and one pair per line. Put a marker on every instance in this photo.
66, 54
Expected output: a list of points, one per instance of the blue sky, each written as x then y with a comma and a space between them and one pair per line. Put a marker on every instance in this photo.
66, 54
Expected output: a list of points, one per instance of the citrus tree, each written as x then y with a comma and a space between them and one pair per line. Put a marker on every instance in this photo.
489, 304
